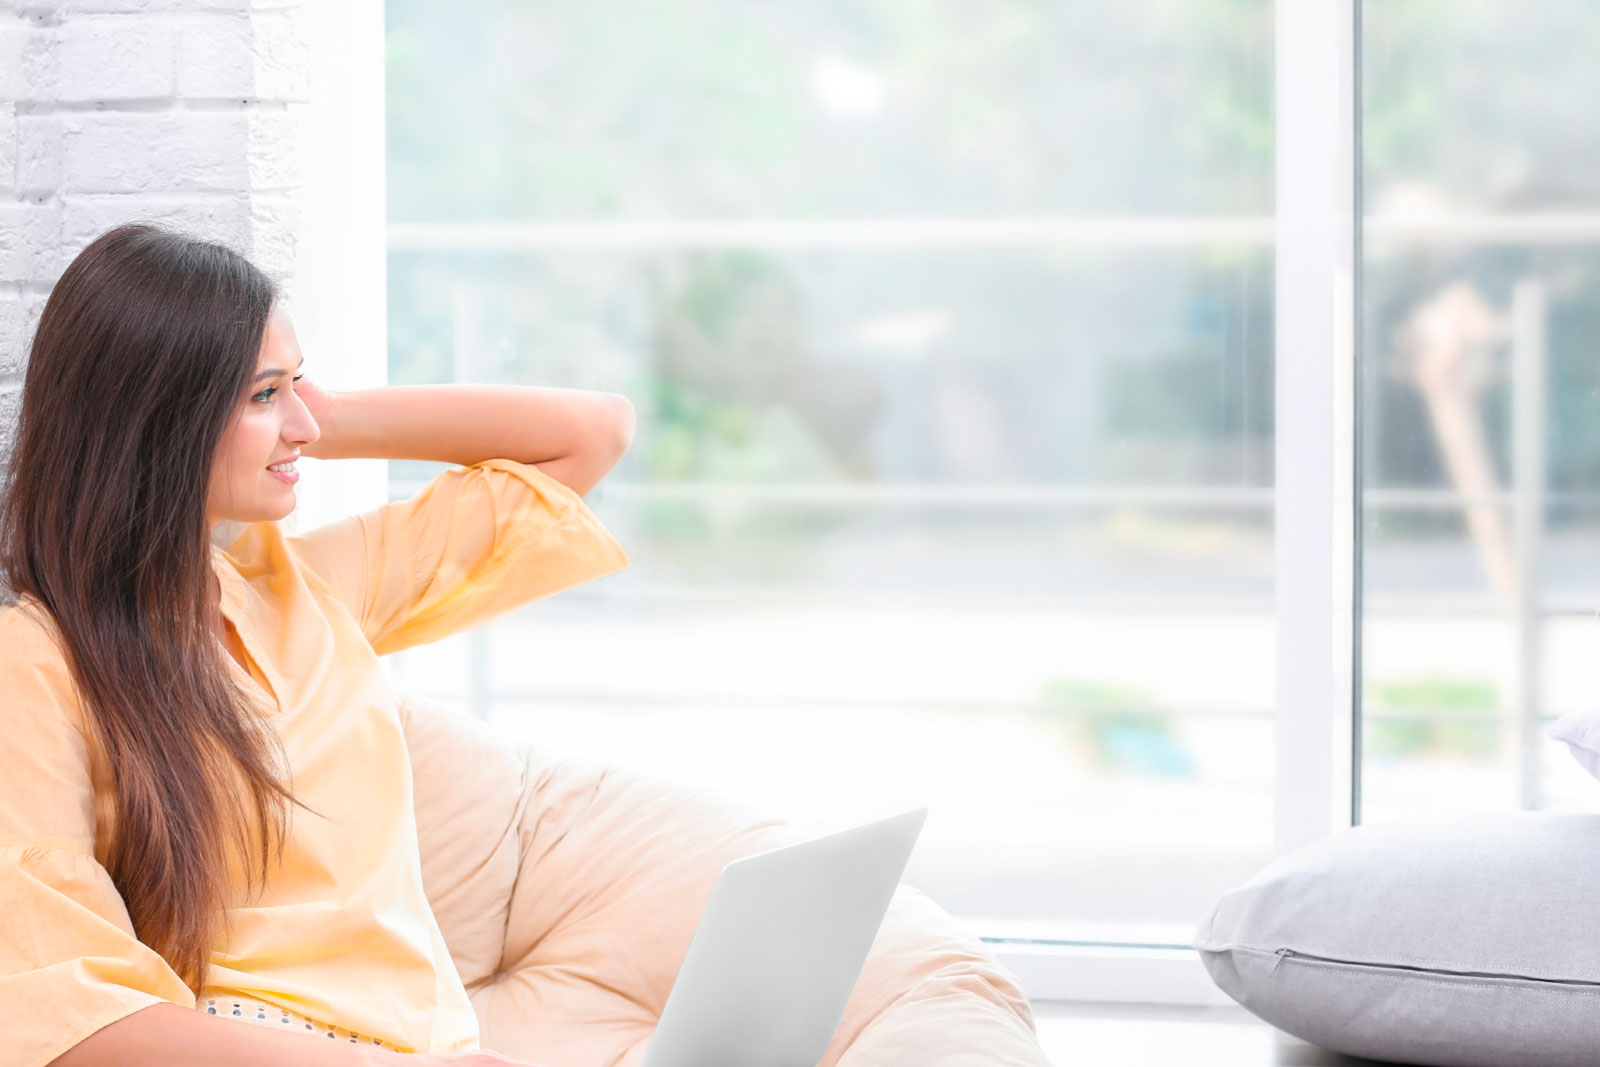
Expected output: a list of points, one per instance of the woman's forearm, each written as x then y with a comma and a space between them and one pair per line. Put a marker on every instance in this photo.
467, 424
175, 1036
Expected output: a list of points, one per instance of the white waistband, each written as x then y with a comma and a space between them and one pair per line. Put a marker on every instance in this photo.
262, 1013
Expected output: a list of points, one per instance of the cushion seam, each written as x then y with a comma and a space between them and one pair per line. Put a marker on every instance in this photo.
1438, 970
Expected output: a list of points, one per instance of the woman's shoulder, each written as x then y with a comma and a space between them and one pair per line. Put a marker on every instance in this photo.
30, 641
33, 665
28, 627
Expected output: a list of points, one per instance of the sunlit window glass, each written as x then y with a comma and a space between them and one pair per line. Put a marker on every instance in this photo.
1480, 392
949, 330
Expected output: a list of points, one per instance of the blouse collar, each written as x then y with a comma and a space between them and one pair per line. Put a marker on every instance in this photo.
232, 582
235, 595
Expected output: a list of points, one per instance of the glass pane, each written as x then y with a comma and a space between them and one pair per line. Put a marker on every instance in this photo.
1481, 474
952, 479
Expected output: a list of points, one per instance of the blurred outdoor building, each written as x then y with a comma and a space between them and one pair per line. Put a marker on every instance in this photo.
951, 341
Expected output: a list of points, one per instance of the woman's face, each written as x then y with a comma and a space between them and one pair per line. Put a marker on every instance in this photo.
267, 430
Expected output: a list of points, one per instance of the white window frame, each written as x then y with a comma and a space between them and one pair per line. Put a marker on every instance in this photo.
337, 289
1315, 509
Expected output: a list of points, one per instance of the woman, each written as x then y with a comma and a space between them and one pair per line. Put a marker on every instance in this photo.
206, 801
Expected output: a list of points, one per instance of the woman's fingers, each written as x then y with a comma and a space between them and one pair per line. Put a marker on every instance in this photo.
314, 397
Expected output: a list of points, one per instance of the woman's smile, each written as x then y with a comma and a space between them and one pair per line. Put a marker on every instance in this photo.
285, 470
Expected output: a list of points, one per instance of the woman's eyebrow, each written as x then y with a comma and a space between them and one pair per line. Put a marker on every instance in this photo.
264, 375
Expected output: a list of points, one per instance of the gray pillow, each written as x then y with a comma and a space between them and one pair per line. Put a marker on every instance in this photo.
1464, 943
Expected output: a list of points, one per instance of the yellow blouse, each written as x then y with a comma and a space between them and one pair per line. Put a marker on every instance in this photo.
343, 933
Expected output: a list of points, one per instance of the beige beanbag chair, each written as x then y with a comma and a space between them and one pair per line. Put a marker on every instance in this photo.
568, 893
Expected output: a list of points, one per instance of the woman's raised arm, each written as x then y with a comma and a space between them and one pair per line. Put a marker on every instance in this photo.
574, 435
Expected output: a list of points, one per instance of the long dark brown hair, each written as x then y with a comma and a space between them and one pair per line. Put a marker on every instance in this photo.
140, 361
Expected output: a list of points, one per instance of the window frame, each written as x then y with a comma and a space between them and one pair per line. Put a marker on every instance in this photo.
336, 290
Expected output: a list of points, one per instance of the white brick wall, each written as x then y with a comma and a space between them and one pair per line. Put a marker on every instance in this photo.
185, 112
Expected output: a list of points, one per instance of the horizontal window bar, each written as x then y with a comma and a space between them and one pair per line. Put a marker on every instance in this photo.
830, 493
755, 702
830, 233
1157, 232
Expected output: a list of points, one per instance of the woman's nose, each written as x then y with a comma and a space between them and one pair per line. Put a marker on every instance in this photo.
301, 427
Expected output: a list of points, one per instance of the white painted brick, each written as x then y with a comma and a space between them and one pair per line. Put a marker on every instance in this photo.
15, 334
44, 243
30, 242
10, 405
8, 146
38, 167
33, 301
216, 57
27, 58
282, 56
91, 7
264, 57
110, 57
274, 150
13, 255
15, 42
110, 152
219, 217
274, 232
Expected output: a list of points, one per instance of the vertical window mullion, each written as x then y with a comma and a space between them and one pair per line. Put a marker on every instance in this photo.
335, 287
1315, 507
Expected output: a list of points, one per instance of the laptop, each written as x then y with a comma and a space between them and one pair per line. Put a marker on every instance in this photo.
779, 947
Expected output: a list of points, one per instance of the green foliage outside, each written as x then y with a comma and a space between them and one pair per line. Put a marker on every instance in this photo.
1450, 717
1117, 727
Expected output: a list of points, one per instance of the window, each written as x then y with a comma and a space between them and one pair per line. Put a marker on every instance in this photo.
1029, 406
951, 343
1481, 453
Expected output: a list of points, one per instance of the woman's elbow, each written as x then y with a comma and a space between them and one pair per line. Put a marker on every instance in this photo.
625, 424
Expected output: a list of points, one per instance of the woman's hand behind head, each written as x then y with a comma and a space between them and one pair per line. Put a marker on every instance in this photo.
316, 399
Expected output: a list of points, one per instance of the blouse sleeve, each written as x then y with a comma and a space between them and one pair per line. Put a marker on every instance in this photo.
475, 543
70, 962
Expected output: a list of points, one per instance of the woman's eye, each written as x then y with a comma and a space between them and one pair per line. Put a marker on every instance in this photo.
266, 394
